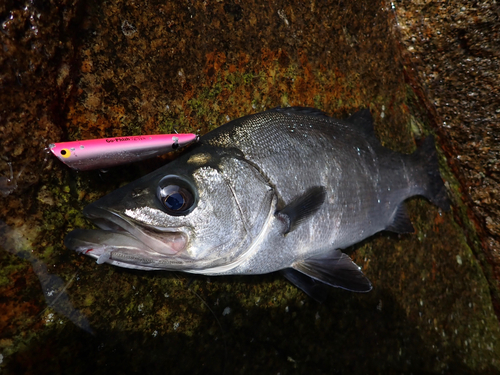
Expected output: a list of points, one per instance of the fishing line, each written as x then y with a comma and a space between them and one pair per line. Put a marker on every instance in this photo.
187, 286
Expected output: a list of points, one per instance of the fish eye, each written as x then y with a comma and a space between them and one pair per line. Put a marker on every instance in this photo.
176, 196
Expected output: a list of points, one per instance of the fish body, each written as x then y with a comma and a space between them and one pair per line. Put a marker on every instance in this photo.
285, 189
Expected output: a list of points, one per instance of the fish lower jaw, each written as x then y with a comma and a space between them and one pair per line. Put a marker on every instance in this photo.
131, 258
128, 250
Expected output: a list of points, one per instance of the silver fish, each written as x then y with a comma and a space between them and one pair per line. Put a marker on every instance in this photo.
286, 189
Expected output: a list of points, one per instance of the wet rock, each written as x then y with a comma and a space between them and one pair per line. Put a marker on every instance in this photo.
83, 70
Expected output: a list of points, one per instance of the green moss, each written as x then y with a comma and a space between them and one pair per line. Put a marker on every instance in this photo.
132, 128
48, 252
14, 266
89, 300
233, 80
248, 78
318, 101
284, 100
4, 280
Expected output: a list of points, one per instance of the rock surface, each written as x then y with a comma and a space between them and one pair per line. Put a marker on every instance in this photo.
74, 69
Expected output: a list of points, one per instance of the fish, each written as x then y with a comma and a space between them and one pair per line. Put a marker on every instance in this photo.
284, 190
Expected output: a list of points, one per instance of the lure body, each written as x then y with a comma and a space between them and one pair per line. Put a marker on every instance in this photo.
109, 152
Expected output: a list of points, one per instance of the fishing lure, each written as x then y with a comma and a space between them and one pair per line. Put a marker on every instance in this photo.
109, 152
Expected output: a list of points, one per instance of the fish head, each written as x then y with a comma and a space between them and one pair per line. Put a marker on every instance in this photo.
199, 214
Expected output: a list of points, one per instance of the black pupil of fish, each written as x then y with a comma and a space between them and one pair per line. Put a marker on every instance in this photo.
175, 201
63, 152
176, 196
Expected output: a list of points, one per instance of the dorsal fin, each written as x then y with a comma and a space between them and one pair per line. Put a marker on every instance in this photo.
306, 111
363, 120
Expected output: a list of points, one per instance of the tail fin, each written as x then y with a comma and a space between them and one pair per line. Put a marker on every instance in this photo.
434, 189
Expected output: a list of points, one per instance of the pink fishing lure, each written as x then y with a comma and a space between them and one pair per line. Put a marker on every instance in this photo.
108, 152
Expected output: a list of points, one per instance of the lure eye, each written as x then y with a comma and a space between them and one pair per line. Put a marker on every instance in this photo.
176, 196
65, 153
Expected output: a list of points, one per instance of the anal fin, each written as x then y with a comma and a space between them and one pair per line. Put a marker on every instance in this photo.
400, 221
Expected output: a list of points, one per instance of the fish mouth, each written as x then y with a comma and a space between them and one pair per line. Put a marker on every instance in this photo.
126, 243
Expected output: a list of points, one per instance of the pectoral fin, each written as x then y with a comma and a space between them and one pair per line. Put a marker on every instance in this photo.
335, 269
302, 207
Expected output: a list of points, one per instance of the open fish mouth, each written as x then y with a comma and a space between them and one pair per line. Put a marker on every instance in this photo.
124, 243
